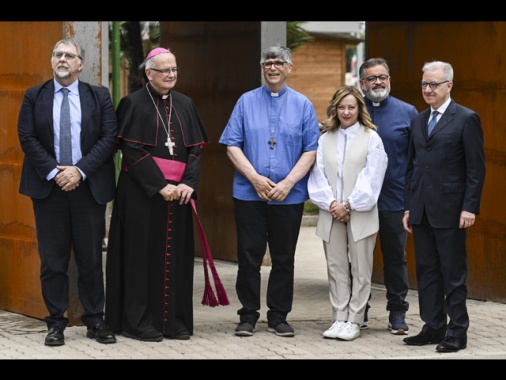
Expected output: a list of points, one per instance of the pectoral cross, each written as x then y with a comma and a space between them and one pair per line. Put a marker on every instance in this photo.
169, 144
272, 142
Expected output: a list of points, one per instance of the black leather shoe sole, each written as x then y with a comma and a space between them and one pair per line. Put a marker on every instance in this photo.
178, 336
101, 335
54, 342
101, 339
182, 334
452, 345
153, 338
54, 338
423, 339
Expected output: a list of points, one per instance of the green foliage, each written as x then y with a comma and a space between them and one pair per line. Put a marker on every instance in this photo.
310, 208
296, 36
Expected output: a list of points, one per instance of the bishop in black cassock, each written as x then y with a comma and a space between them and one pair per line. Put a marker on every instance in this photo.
150, 255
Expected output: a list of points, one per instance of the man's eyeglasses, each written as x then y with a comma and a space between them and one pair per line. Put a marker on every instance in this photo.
432, 85
373, 78
69, 56
174, 70
277, 64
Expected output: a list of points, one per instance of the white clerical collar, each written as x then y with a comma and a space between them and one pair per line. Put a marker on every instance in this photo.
376, 104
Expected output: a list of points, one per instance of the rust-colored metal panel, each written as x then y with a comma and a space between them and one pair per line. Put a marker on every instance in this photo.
19, 259
219, 61
476, 52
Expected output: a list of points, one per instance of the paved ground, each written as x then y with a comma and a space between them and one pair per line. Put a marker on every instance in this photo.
22, 337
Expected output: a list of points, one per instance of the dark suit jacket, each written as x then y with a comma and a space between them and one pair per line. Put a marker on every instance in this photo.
446, 171
98, 140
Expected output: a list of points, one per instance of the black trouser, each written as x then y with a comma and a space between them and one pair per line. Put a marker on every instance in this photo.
260, 224
392, 236
66, 222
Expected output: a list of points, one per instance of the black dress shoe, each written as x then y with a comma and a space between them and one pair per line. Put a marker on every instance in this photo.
452, 344
423, 338
182, 334
101, 333
147, 335
55, 337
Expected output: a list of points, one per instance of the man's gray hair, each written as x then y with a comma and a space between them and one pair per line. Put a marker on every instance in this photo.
277, 51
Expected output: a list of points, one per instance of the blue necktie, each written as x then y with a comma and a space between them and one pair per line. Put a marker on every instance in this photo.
65, 139
432, 122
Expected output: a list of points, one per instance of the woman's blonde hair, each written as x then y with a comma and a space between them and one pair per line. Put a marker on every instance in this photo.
363, 115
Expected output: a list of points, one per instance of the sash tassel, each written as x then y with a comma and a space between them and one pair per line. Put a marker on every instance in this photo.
209, 298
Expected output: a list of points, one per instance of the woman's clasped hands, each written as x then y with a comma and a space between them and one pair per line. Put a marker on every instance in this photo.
338, 212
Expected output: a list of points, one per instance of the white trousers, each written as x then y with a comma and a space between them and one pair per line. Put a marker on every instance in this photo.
348, 295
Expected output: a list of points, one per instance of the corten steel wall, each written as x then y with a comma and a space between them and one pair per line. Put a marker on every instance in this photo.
29, 65
476, 52
219, 61
28, 46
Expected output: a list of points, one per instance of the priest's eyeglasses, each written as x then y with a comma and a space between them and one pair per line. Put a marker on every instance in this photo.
374, 78
277, 64
69, 56
432, 85
173, 70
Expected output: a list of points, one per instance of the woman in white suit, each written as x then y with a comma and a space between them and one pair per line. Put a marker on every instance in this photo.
345, 183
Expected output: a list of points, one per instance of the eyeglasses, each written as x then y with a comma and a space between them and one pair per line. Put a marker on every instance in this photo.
277, 64
174, 70
432, 85
69, 56
373, 78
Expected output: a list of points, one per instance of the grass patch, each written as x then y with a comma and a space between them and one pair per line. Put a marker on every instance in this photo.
310, 208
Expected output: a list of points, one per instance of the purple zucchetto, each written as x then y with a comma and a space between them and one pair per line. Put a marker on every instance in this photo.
156, 51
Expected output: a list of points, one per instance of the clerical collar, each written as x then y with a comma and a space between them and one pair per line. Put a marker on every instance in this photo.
383, 103
275, 94
153, 90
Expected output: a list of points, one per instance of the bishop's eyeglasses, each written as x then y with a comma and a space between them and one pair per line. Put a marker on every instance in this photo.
173, 70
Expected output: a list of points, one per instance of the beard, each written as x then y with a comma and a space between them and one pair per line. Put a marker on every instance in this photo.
62, 74
376, 96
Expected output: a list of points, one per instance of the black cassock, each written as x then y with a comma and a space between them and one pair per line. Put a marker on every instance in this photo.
150, 255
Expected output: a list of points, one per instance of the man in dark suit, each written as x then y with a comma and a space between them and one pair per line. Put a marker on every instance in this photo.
69, 198
444, 182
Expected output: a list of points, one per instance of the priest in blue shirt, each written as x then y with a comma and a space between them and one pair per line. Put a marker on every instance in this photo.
392, 117
271, 139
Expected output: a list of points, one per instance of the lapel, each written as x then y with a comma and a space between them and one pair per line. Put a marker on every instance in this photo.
85, 99
425, 121
47, 97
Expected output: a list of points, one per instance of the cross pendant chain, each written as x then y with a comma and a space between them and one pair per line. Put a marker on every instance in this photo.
273, 127
169, 144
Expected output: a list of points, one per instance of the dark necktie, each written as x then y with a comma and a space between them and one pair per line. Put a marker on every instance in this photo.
65, 139
432, 122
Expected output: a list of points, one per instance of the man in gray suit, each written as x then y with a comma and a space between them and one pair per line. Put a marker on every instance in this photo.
444, 182
69, 198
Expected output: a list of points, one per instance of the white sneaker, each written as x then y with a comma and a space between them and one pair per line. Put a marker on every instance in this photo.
349, 331
331, 333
